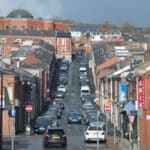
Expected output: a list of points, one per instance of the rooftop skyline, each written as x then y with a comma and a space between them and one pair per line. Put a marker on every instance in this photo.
96, 11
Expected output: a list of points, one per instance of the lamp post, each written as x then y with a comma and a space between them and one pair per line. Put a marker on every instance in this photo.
1, 109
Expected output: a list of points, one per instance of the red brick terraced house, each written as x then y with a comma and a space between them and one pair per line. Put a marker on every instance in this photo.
20, 25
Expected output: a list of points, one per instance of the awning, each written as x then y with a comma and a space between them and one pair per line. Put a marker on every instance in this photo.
130, 106
118, 72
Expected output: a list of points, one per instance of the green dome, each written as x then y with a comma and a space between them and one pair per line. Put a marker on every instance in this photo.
20, 13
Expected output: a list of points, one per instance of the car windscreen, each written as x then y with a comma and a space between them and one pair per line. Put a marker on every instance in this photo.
95, 128
56, 131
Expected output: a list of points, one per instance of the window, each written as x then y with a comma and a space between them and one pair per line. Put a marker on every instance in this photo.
0, 27
32, 27
63, 41
7, 27
3, 40
16, 41
23, 27
63, 50
14, 27
57, 41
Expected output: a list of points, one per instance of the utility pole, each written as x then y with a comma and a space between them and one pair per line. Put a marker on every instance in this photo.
1, 106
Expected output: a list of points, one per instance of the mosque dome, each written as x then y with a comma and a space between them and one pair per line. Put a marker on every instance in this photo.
20, 13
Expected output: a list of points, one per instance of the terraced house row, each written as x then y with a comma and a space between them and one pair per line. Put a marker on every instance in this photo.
29, 49
119, 62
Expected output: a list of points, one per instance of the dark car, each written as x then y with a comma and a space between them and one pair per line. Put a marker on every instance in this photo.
55, 136
59, 101
41, 124
74, 118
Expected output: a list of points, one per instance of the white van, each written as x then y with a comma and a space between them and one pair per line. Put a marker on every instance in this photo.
82, 69
85, 90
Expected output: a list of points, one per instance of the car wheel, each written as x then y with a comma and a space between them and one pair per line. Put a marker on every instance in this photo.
64, 145
45, 145
86, 141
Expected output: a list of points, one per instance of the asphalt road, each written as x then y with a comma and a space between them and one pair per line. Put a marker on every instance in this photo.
74, 132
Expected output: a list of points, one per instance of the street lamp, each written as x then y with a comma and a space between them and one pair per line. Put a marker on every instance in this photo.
1, 109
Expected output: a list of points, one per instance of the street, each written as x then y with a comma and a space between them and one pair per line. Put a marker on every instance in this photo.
74, 132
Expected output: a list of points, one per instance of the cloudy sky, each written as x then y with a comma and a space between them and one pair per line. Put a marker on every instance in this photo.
136, 12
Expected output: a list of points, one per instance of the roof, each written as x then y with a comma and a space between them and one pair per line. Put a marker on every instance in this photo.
20, 13
108, 63
106, 72
142, 69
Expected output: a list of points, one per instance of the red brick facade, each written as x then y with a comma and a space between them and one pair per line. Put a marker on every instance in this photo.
31, 24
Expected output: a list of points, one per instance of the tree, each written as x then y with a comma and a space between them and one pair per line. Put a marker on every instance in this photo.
105, 27
127, 28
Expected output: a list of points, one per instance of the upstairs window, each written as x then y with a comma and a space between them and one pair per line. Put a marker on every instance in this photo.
63, 41
23, 27
7, 27
14, 27
32, 28
63, 50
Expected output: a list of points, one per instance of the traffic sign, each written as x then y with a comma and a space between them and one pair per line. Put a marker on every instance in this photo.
28, 108
131, 118
12, 112
107, 108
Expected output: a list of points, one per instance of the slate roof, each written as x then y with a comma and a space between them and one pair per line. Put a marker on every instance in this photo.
85, 28
20, 13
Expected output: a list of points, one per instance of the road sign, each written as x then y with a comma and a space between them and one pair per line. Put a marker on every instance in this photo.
107, 108
28, 108
12, 112
131, 118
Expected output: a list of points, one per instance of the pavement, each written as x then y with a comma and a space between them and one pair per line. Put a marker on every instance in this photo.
121, 144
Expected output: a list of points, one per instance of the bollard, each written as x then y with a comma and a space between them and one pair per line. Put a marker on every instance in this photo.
28, 130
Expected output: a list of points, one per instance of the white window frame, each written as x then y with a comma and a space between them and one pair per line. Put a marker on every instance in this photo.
3, 40
64, 41
63, 50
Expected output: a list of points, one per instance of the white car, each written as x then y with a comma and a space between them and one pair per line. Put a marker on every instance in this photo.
99, 123
62, 88
93, 133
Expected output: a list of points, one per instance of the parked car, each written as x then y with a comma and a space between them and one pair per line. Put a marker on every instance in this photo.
74, 118
57, 94
62, 87
55, 136
40, 124
92, 133
59, 101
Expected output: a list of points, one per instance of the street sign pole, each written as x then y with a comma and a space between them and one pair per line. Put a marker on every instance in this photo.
13, 133
12, 113
106, 124
28, 108
138, 117
97, 130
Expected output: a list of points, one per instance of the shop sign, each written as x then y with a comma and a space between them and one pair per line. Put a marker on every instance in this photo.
141, 93
122, 92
